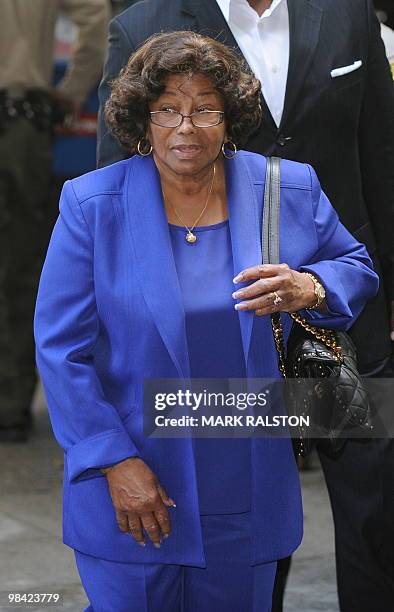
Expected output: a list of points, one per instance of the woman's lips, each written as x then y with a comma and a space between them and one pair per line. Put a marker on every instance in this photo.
187, 151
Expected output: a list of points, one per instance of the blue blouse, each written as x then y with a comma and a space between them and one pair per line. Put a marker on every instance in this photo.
205, 272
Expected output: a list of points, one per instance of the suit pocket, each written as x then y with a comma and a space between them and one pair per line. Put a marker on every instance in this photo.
347, 80
341, 71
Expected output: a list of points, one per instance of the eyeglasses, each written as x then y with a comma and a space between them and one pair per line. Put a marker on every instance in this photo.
172, 119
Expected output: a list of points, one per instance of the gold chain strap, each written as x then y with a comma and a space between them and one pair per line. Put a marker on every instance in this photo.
278, 337
324, 335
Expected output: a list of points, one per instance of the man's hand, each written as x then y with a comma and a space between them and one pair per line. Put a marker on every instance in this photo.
63, 103
140, 501
66, 111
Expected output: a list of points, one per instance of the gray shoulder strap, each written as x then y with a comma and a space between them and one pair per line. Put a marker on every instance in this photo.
271, 212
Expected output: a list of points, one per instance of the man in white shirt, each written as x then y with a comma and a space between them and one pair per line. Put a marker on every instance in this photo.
262, 33
327, 99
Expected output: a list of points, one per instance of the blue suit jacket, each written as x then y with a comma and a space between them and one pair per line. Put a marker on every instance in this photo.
109, 315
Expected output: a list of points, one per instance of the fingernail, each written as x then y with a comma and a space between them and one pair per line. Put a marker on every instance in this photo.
236, 279
156, 544
237, 294
173, 503
240, 306
142, 543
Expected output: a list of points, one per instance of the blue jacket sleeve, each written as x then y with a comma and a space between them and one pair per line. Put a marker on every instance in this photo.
341, 263
66, 329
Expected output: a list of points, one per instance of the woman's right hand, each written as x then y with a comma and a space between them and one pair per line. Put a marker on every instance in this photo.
140, 501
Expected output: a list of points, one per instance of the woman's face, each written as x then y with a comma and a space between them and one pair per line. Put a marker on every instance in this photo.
187, 150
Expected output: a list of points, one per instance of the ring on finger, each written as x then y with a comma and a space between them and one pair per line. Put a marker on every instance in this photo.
277, 299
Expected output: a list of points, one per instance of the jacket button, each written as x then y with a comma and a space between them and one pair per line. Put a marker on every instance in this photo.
283, 140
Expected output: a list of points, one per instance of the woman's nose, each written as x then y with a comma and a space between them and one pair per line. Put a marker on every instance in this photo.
186, 126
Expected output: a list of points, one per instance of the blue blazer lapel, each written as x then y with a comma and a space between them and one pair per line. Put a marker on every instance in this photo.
151, 242
245, 213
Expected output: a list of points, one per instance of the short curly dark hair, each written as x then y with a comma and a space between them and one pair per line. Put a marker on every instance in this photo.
143, 78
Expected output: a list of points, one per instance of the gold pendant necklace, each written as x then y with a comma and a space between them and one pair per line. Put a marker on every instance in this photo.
190, 236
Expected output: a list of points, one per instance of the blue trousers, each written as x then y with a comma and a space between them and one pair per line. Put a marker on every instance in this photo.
228, 584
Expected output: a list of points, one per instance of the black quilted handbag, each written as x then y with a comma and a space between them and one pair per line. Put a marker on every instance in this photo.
335, 398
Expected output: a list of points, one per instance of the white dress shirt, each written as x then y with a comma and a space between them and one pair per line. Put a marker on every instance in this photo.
388, 39
264, 42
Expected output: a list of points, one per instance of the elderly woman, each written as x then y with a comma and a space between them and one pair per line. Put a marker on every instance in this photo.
140, 283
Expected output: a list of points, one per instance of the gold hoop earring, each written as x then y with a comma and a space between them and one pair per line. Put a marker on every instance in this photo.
233, 151
140, 151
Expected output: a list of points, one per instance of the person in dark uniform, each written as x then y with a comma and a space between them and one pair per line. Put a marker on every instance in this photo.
27, 104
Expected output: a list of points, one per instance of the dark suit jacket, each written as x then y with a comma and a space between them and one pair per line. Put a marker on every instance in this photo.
342, 126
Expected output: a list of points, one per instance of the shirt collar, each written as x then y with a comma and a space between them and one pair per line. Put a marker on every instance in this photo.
225, 7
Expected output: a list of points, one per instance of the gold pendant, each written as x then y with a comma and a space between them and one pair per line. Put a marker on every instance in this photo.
191, 238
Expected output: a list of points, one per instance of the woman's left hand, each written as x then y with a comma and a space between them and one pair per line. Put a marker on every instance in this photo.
292, 290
